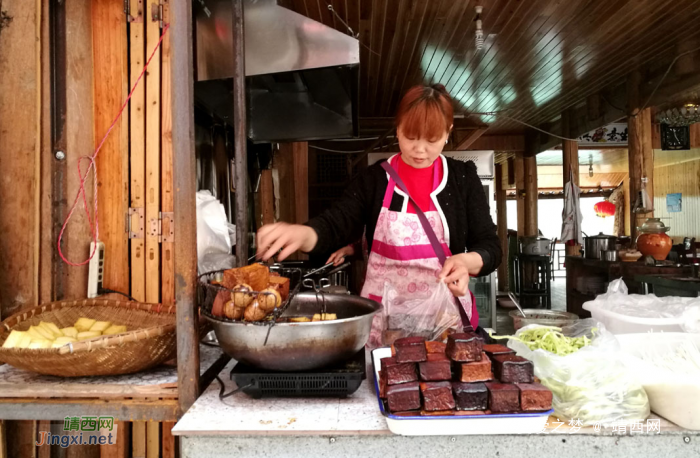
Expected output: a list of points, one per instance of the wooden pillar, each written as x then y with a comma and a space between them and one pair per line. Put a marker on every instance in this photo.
530, 171
240, 137
502, 226
519, 190
641, 155
570, 163
185, 188
20, 144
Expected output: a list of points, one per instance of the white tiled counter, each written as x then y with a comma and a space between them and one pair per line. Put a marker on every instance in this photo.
241, 426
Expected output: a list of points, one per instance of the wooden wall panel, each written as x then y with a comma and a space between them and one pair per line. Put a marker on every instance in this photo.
20, 120
111, 89
681, 178
166, 174
152, 171
137, 141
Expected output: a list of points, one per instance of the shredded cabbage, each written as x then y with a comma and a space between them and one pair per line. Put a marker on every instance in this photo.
551, 339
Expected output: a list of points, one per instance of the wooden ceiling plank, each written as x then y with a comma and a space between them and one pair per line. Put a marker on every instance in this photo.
440, 31
470, 53
521, 57
404, 63
391, 20
487, 57
426, 19
467, 24
520, 47
599, 83
582, 90
552, 78
450, 29
415, 73
378, 14
632, 52
551, 50
404, 14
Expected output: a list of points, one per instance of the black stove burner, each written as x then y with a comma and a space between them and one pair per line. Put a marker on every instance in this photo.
338, 380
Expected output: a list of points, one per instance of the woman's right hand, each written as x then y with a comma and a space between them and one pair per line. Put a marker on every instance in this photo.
286, 237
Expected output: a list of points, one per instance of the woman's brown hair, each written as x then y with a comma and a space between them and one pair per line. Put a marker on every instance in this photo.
425, 112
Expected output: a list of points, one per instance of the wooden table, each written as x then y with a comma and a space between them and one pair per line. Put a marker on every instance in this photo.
149, 395
582, 272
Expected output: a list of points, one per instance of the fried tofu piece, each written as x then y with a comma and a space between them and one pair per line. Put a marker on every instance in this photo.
255, 275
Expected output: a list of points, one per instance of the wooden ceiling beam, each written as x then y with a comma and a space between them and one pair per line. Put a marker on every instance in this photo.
503, 143
469, 138
381, 125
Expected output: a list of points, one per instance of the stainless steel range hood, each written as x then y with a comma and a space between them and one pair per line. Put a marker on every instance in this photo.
301, 76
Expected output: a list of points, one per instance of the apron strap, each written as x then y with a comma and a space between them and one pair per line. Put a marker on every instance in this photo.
437, 246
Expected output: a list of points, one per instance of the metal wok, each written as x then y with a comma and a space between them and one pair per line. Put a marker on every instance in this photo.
301, 346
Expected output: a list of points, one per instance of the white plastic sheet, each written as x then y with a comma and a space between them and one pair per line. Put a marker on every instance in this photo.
214, 240
617, 300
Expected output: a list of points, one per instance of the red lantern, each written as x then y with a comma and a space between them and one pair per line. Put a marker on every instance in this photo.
604, 208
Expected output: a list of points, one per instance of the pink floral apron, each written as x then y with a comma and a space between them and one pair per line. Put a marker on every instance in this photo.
403, 256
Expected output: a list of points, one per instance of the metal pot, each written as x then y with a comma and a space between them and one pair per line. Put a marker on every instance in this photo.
535, 245
595, 244
301, 346
610, 255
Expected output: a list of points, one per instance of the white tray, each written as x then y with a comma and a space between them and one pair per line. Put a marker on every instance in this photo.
516, 423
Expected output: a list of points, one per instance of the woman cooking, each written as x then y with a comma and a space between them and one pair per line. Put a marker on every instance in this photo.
447, 192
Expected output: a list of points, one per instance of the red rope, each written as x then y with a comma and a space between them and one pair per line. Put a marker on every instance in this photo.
94, 228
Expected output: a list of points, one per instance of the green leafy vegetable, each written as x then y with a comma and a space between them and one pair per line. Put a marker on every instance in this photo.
551, 339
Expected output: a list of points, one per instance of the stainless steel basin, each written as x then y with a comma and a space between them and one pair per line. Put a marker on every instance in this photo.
301, 346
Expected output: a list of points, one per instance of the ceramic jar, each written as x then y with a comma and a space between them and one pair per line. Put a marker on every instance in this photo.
653, 240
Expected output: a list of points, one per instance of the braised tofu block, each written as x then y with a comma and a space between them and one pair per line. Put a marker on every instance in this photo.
478, 371
464, 347
410, 350
513, 369
437, 396
382, 384
397, 373
497, 349
470, 396
432, 346
437, 413
403, 397
281, 284
256, 275
436, 368
534, 396
503, 397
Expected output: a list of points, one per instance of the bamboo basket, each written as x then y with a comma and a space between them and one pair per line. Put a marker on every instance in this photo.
149, 342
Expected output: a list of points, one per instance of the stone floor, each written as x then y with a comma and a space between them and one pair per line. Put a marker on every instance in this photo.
504, 323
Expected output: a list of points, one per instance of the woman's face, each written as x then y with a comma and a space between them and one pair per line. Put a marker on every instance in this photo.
420, 152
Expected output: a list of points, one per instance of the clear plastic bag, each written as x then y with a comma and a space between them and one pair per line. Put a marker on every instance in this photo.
592, 385
430, 317
617, 300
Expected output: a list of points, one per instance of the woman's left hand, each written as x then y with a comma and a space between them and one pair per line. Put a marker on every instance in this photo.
455, 272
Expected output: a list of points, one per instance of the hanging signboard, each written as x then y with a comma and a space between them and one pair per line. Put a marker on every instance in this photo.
614, 134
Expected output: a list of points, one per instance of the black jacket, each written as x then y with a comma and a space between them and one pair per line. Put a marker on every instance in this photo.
462, 202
